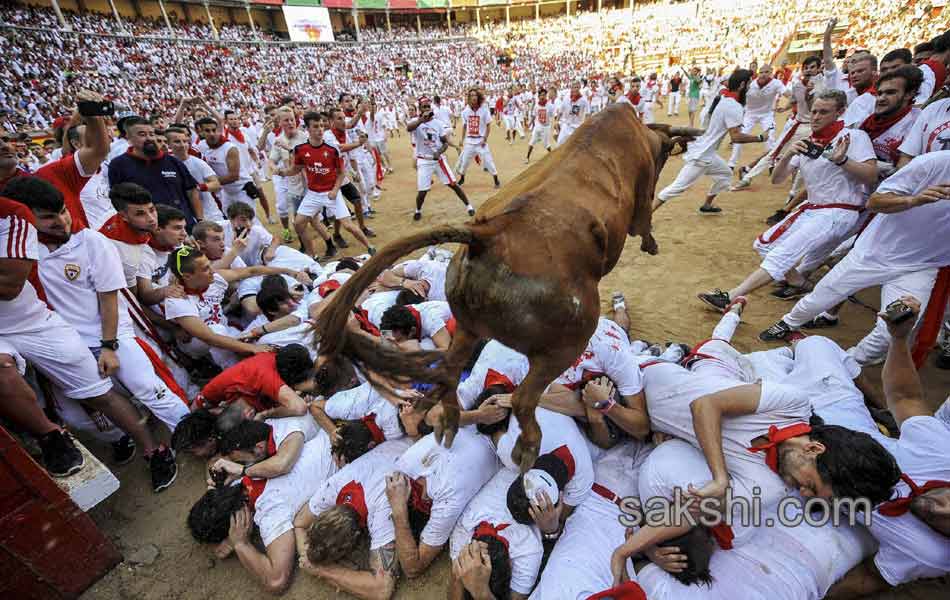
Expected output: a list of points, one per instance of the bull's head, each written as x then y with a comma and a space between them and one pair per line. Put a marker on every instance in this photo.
673, 140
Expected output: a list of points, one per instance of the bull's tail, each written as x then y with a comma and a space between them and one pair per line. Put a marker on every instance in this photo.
331, 326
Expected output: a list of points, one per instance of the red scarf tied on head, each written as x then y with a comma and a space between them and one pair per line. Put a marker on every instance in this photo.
493, 377
564, 454
370, 421
486, 529
628, 590
900, 506
328, 287
823, 136
352, 495
777, 436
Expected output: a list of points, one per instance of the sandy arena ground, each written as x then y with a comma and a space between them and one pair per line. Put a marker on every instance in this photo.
697, 253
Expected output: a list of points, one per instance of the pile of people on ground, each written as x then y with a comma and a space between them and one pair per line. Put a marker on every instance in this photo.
137, 277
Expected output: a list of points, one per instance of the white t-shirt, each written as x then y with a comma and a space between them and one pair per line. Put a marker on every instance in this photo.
94, 198
800, 96
476, 123
368, 471
453, 477
525, 549
427, 138
75, 273
859, 109
377, 304
258, 238
443, 115
556, 430
608, 353
205, 306
913, 239
358, 402
433, 316
25, 313
930, 132
430, 271
542, 114
284, 426
217, 159
495, 360
830, 184
909, 548
283, 496
573, 113
760, 100
887, 144
927, 85
728, 114
154, 267
201, 171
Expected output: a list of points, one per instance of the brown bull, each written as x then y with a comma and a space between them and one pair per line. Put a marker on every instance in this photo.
529, 266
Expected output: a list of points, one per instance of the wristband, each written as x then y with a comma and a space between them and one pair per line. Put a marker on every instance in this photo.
203, 187
605, 406
550, 537
839, 164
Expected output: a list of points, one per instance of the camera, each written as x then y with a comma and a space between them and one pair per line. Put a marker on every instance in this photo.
91, 108
897, 312
240, 231
251, 190
814, 150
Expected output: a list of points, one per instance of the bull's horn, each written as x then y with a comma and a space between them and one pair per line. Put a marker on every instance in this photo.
687, 131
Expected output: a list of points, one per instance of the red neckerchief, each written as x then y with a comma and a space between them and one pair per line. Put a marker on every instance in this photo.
328, 287
349, 113
118, 229
362, 317
633, 98
651, 82
575, 98
723, 535
493, 377
900, 506
237, 134
254, 488
374, 431
563, 453
940, 72
352, 495
628, 590
823, 136
875, 126
542, 102
777, 436
868, 90
340, 135
762, 85
451, 326
154, 245
728, 94
146, 159
417, 499
192, 151
418, 318
486, 529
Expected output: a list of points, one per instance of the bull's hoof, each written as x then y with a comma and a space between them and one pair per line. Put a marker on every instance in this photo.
446, 426
525, 453
649, 245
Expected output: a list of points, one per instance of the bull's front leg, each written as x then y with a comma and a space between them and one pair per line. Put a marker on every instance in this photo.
457, 356
542, 372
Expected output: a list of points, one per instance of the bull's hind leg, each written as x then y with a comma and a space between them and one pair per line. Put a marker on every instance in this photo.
457, 356
543, 370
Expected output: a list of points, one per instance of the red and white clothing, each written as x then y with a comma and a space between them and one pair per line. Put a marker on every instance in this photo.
759, 110
362, 484
541, 131
452, 477
276, 501
935, 74
282, 428
557, 430
361, 401
254, 380
832, 214
68, 176
524, 541
497, 364
895, 251
258, 239
431, 317
29, 331
886, 138
476, 127
608, 353
217, 159
427, 140
201, 171
376, 304
322, 166
931, 130
289, 190
571, 115
579, 565
207, 307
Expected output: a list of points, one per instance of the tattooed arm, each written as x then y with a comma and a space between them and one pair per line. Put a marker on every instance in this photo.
379, 583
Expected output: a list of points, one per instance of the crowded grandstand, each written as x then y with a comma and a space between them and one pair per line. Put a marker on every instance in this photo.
335, 299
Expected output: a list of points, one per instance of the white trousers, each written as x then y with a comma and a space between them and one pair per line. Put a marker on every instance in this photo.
809, 240
791, 133
541, 134
851, 275
716, 168
766, 122
647, 113
470, 151
673, 106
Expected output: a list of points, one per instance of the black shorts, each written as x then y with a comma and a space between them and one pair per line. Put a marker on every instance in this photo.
350, 192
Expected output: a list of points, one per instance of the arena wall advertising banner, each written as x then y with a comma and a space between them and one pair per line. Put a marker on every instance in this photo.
308, 23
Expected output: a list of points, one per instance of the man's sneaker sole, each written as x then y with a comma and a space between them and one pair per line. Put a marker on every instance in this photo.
71, 471
167, 484
710, 304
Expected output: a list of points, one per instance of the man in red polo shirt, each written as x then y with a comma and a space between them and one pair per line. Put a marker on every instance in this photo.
265, 382
70, 173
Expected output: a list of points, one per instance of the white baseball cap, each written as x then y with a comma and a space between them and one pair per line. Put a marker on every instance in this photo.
537, 481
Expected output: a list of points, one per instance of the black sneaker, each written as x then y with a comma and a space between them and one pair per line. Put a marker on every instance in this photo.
164, 470
883, 418
417, 216
471, 211
462, 180
123, 451
776, 217
821, 322
779, 331
717, 299
369, 232
331, 251
371, 250
790, 292
339, 241
709, 210
60, 455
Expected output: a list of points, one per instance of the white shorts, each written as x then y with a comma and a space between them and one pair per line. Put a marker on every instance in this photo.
314, 202
58, 352
285, 196
229, 197
426, 168
509, 121
693, 105
541, 134
809, 240
566, 131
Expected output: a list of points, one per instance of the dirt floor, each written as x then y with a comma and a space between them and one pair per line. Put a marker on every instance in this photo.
696, 253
